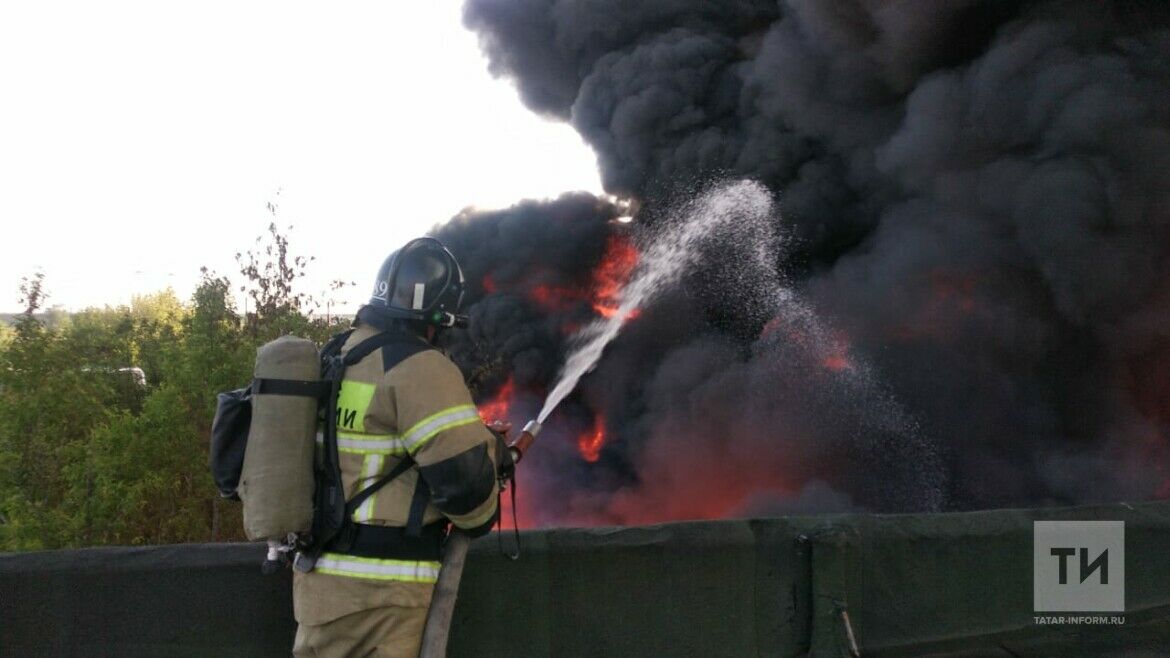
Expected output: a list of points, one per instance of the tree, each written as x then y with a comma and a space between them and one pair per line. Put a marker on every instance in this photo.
88, 455
48, 407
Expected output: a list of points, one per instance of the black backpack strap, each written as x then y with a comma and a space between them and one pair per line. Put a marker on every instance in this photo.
343, 541
329, 492
298, 387
396, 347
399, 351
361, 496
332, 347
329, 506
418, 505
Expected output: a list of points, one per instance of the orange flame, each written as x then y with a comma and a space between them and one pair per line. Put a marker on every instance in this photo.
497, 407
590, 442
603, 292
612, 273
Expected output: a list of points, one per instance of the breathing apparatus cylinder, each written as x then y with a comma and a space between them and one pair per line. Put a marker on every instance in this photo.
276, 482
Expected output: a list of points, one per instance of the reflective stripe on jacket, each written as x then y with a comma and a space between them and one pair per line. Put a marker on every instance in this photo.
421, 407
411, 571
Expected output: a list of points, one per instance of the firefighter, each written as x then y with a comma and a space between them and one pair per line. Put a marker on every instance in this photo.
404, 401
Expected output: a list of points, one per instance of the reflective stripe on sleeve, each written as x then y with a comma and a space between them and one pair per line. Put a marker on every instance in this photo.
429, 427
479, 516
408, 571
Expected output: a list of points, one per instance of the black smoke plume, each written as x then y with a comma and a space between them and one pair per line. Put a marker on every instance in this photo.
978, 194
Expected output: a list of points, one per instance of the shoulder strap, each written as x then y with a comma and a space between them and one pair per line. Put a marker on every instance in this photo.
361, 496
332, 347
396, 347
418, 506
399, 351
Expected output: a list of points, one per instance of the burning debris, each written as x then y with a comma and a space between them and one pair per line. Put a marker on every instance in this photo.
975, 194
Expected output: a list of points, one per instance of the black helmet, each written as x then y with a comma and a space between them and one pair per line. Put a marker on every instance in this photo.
421, 281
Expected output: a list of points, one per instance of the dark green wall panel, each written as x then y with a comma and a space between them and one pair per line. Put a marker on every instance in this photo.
943, 584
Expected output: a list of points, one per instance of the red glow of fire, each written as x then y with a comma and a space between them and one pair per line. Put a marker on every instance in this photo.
834, 357
1163, 490
956, 289
605, 286
836, 362
793, 334
612, 274
837, 358
555, 298
1143, 378
497, 407
524, 507
771, 326
590, 442
726, 495
953, 296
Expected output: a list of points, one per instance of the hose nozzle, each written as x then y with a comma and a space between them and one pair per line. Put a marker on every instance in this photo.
522, 442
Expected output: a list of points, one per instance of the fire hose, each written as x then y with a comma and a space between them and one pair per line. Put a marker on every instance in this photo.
438, 624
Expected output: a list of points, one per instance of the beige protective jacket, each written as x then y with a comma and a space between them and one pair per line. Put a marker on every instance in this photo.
420, 407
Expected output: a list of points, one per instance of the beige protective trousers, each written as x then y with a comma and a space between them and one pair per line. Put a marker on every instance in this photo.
386, 632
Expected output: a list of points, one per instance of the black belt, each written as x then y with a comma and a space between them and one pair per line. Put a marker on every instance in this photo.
388, 542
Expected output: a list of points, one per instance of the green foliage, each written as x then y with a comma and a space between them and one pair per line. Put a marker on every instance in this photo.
91, 453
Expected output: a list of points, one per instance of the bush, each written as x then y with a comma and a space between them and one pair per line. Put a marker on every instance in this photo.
91, 452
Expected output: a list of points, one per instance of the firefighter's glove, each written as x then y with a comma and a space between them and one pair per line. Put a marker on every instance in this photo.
505, 467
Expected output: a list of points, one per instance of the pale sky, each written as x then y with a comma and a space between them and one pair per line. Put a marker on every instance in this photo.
141, 140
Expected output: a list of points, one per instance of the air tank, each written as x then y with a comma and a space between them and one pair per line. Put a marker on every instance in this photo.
276, 482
